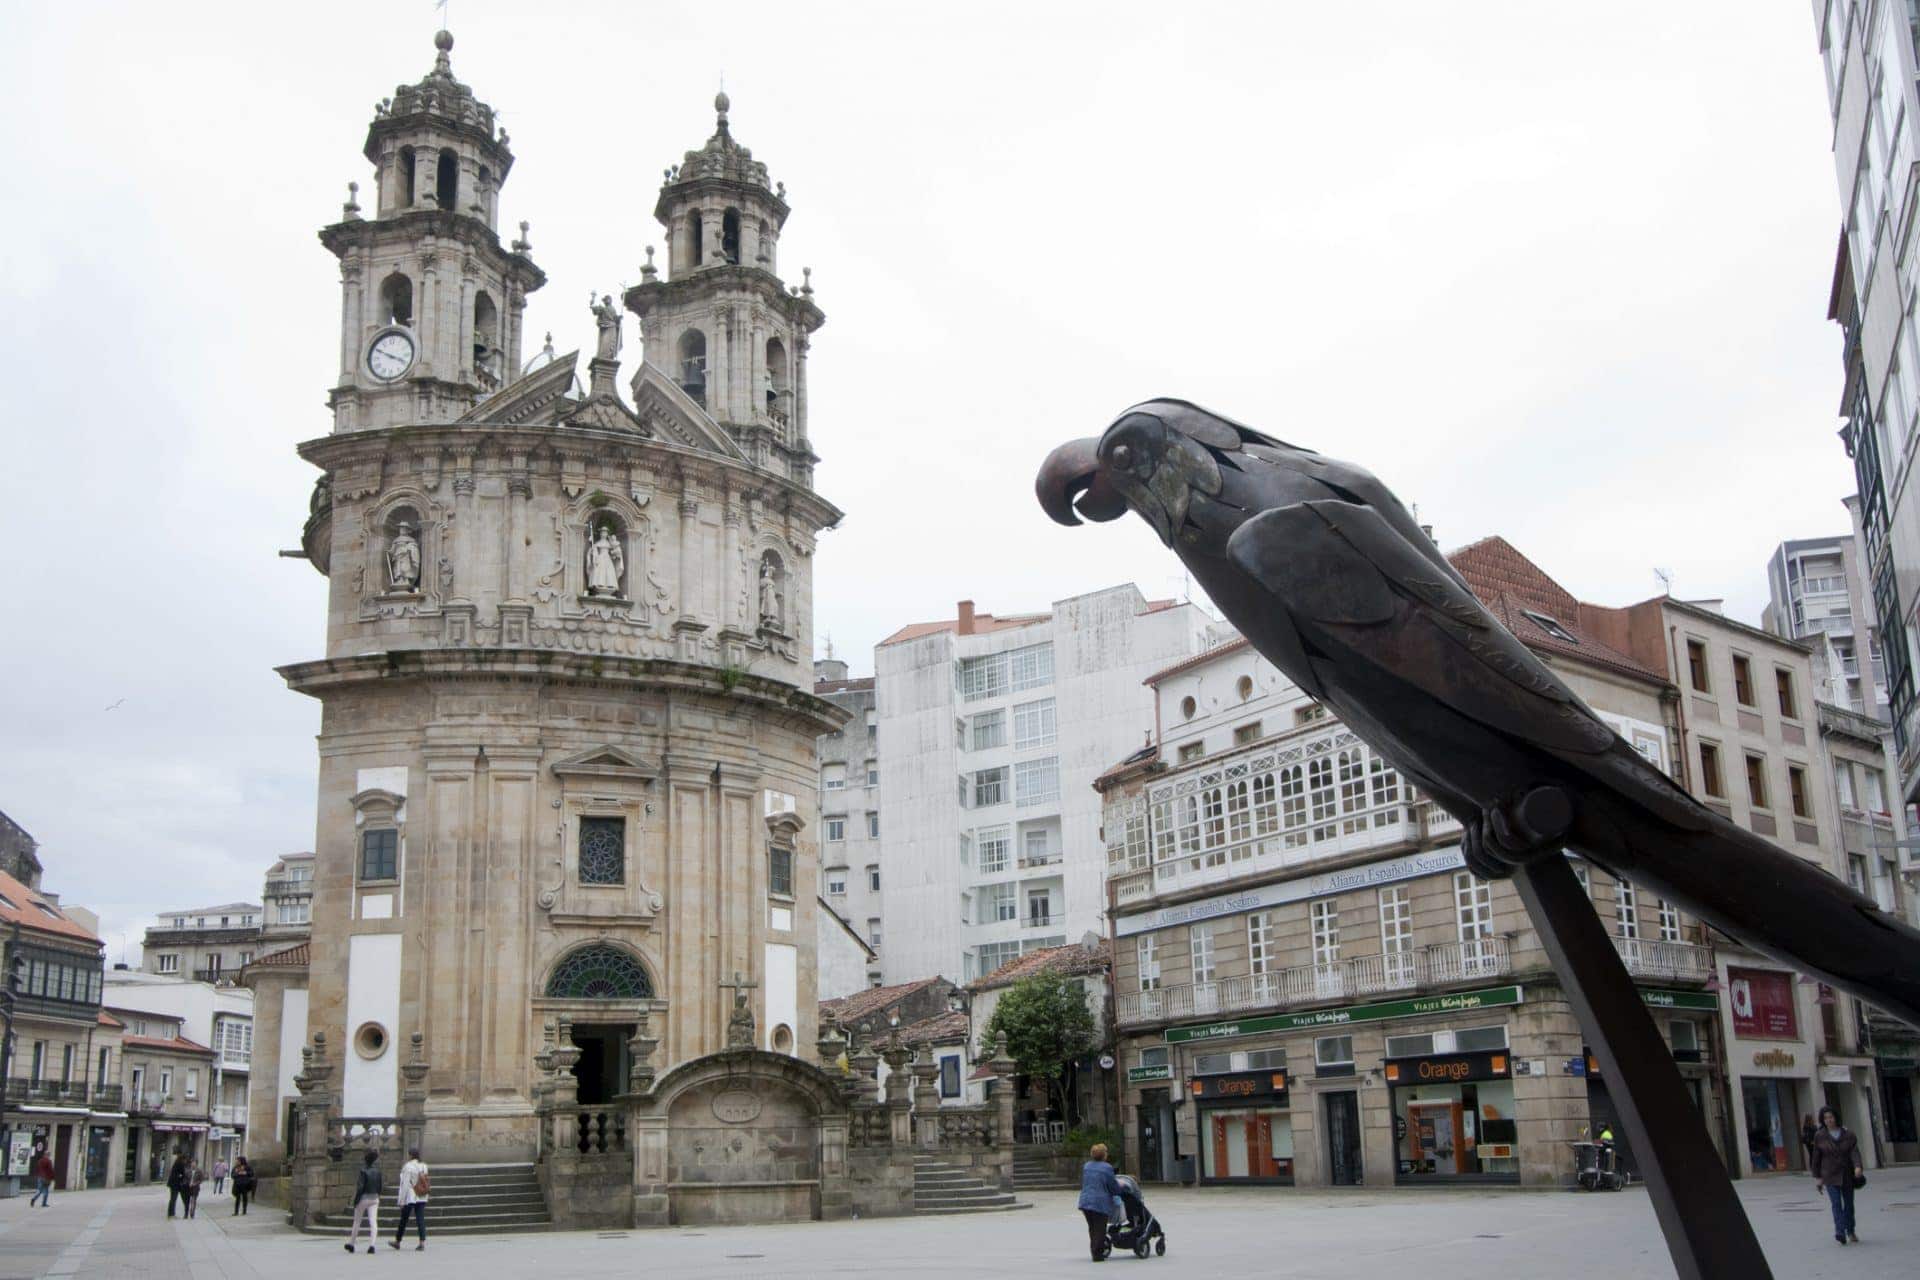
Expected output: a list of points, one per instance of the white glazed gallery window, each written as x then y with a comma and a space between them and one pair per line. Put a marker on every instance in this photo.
1137, 855
989, 787
1396, 933
995, 954
1147, 958
990, 730
1200, 942
1031, 667
1036, 781
1033, 724
995, 845
1324, 916
982, 677
1003, 903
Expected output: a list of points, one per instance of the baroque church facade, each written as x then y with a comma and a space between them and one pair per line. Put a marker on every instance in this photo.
567, 750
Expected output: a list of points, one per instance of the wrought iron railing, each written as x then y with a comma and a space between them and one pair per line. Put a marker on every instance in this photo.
1676, 961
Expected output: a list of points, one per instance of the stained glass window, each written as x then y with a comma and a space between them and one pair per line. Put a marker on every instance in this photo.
600, 972
603, 850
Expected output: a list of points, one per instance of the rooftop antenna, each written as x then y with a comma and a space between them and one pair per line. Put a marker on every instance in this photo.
445, 10
1666, 580
829, 646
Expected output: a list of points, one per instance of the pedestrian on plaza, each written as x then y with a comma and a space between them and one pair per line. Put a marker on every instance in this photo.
176, 1182
190, 1194
219, 1176
243, 1184
415, 1184
1807, 1131
366, 1202
1099, 1192
43, 1179
1836, 1167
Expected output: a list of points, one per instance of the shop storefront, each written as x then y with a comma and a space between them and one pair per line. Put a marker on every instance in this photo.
1772, 1109
1454, 1116
1899, 1092
1774, 1063
1246, 1127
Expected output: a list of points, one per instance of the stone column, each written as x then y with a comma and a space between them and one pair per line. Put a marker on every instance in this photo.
516, 312
463, 358
309, 1194
515, 613
1002, 1066
413, 1097
352, 285
426, 319
426, 163
926, 1099
798, 432
566, 1093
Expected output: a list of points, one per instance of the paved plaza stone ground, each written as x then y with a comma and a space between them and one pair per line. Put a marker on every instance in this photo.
1434, 1235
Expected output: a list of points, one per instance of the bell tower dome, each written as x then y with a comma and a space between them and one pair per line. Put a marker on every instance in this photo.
722, 326
431, 303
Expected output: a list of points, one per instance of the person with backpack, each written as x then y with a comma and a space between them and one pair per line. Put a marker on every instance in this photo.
415, 1185
366, 1202
243, 1184
1837, 1169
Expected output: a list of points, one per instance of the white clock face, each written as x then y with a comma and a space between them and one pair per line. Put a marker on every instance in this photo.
390, 356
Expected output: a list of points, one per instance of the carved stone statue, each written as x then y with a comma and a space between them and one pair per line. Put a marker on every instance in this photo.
403, 560
605, 563
771, 614
607, 317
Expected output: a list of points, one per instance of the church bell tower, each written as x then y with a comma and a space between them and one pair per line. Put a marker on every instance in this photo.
431, 303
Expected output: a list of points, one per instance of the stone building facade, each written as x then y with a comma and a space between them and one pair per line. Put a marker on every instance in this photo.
567, 748
206, 944
1312, 989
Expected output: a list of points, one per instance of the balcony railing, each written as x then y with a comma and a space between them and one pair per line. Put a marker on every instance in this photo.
1674, 961
1037, 920
1042, 859
55, 1093
1437, 965
231, 1115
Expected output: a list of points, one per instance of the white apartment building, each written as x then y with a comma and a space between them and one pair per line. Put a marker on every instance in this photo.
1817, 593
850, 806
219, 1017
991, 731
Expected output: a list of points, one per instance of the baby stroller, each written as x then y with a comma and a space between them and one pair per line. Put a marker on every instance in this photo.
1134, 1226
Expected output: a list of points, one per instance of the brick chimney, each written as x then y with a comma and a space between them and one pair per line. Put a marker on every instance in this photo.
966, 618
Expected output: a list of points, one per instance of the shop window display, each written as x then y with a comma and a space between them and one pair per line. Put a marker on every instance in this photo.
1256, 1143
1454, 1116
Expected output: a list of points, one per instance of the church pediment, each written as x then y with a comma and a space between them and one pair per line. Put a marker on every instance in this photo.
605, 413
536, 397
670, 413
606, 762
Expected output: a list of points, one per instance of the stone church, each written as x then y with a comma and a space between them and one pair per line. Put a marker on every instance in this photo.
567, 748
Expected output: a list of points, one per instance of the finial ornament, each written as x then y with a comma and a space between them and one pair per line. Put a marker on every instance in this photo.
649, 271
351, 209
443, 41
524, 243
721, 103
806, 282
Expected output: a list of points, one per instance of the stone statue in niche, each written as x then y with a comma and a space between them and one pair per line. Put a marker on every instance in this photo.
770, 602
607, 317
605, 563
403, 560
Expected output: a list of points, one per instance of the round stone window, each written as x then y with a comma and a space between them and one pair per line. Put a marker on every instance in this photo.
370, 1041
1188, 706
783, 1039
1246, 687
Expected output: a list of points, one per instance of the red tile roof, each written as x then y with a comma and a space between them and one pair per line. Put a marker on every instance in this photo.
983, 624
26, 908
1198, 659
1070, 960
108, 1020
847, 1010
1510, 585
946, 1026
295, 956
179, 1044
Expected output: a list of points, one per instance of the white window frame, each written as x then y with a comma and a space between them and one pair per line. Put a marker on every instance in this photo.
994, 846
1036, 782
988, 730
1200, 948
1034, 724
1146, 958
1472, 906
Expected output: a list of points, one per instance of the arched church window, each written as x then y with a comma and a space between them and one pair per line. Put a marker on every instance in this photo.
775, 386
600, 972
765, 252
483, 194
486, 337
405, 174
446, 180
396, 299
697, 235
693, 364
730, 235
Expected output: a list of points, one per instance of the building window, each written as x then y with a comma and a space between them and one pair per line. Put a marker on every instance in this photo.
1246, 734
1030, 667
836, 884
1697, 666
1244, 687
996, 847
873, 932
982, 677
1200, 943
1683, 1035
1033, 724
1002, 904
600, 972
834, 778
873, 825
1324, 917
1783, 684
1155, 1056
1148, 961
1478, 1039
1710, 771
166, 1082
837, 828
873, 773
1312, 713
1260, 943
989, 787
989, 730
380, 855
193, 1082
603, 850
1036, 781
1035, 850
1742, 681
166, 963
1333, 1051
780, 871
1550, 626
994, 955
1396, 932
1191, 751
873, 879
1212, 1064
1757, 781
100, 1071
1473, 906
1797, 791
949, 1076
1626, 909
1669, 922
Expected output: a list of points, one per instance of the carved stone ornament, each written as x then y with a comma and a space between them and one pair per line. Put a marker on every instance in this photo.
736, 1106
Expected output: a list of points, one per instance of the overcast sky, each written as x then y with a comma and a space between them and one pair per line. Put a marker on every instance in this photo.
1554, 272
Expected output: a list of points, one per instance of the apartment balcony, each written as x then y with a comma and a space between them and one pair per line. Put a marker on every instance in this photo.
53, 1093
1034, 920
236, 1062
1030, 861
230, 1115
284, 887
1669, 961
1440, 965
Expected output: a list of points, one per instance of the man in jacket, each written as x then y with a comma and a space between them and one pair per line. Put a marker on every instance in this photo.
176, 1183
43, 1178
1836, 1163
414, 1185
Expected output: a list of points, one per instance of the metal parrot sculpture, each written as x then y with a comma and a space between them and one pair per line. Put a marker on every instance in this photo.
1330, 578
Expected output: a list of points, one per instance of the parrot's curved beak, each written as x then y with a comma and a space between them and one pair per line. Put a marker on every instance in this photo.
1072, 480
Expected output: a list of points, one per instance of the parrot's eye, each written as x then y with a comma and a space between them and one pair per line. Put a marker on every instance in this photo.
1123, 456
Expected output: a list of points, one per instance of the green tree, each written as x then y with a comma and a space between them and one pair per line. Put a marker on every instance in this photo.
1049, 1028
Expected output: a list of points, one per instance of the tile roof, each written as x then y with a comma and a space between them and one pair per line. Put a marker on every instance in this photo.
983, 624
26, 908
848, 1010
946, 1026
1199, 659
1070, 960
108, 1020
1511, 586
178, 1044
295, 956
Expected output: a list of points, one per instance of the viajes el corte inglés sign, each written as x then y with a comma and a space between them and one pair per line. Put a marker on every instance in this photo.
1311, 1019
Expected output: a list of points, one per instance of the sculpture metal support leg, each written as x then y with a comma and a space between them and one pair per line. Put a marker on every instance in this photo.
1706, 1228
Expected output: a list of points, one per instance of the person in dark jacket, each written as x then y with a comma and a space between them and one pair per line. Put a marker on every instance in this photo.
43, 1177
176, 1183
1836, 1163
1807, 1130
243, 1184
1099, 1188
190, 1193
366, 1202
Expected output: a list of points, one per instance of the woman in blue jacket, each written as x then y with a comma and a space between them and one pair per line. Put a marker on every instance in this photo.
1098, 1191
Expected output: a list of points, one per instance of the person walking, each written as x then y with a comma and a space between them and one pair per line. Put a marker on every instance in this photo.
243, 1184
43, 1179
219, 1176
1099, 1188
190, 1194
415, 1184
176, 1182
1836, 1167
366, 1202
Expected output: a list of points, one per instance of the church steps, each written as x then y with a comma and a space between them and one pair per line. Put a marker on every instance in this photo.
467, 1200
940, 1188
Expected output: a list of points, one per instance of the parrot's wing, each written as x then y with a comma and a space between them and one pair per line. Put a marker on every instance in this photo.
1345, 567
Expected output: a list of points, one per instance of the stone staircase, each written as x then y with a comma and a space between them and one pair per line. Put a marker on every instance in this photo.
942, 1188
466, 1200
1035, 1172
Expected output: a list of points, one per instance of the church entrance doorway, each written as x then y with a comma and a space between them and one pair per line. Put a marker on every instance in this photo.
602, 1068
